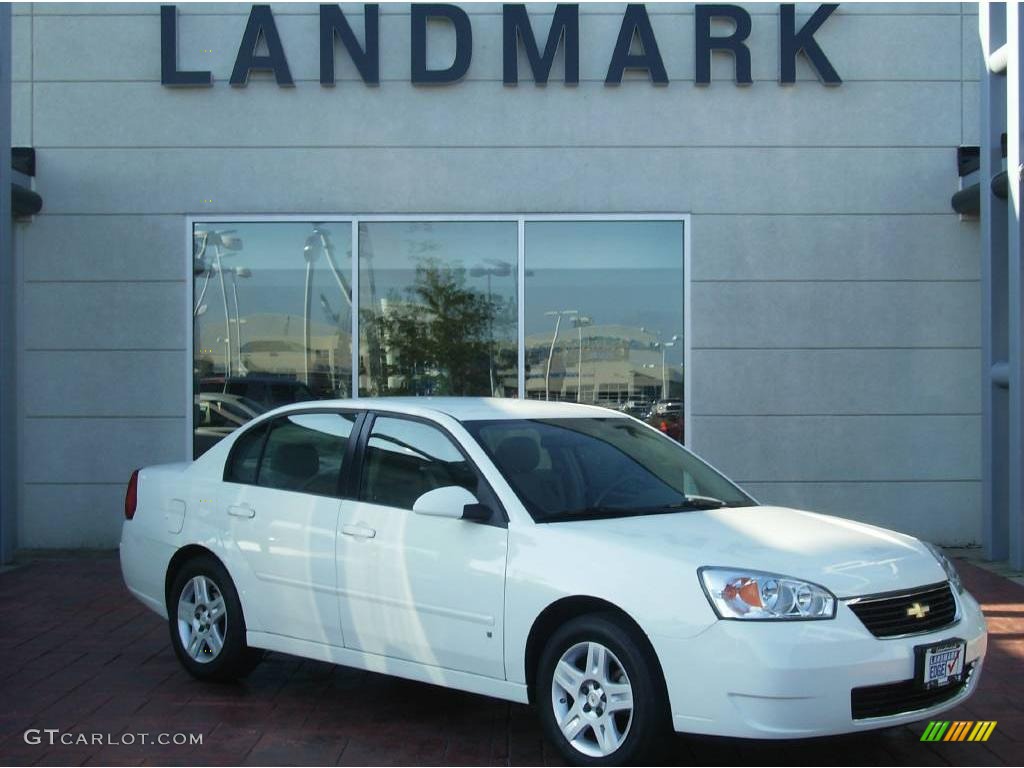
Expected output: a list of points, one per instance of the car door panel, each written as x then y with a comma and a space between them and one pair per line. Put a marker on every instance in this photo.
287, 541
426, 589
283, 518
417, 587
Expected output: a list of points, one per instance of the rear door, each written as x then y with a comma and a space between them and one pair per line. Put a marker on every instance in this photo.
415, 587
283, 508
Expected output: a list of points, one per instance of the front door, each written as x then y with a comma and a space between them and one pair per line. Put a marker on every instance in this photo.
415, 587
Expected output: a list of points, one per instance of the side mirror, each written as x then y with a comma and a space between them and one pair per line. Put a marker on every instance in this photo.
451, 501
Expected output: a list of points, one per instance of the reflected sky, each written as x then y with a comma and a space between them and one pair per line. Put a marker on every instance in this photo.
626, 273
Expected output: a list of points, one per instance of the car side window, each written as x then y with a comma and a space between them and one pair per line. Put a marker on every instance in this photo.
404, 459
305, 452
243, 462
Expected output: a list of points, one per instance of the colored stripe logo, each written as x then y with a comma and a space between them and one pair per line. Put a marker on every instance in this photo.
958, 730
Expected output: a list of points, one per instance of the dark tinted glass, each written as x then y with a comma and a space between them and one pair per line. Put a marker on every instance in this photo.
576, 468
405, 459
305, 452
245, 456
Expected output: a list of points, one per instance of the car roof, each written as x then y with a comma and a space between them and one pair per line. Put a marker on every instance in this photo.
467, 408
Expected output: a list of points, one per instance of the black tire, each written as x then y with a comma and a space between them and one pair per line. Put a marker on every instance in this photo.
648, 731
235, 659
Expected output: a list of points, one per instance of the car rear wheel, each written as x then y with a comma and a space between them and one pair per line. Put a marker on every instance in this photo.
206, 623
599, 692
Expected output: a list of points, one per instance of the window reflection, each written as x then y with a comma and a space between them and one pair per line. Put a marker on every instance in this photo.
272, 312
405, 459
438, 309
437, 314
604, 316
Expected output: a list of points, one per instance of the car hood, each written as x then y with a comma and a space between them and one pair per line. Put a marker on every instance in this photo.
846, 557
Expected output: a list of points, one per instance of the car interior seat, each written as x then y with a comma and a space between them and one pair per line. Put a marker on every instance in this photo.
295, 464
520, 458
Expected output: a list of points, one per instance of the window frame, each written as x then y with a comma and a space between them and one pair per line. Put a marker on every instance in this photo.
485, 492
355, 219
270, 424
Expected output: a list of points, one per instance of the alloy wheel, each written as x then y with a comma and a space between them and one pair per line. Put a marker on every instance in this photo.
592, 699
202, 619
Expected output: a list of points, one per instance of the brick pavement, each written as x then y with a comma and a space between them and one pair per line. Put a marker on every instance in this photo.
78, 654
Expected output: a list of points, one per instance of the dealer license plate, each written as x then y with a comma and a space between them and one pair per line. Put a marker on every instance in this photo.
942, 664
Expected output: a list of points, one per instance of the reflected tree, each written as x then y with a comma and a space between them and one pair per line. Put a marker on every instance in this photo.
437, 338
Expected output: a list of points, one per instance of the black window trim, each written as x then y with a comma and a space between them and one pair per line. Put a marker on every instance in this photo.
499, 517
342, 484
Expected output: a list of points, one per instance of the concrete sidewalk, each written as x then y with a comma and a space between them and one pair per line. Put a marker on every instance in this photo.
78, 654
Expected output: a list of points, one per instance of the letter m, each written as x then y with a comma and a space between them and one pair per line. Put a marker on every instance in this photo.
565, 24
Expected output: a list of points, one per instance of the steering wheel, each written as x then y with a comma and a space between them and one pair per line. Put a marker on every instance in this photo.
618, 485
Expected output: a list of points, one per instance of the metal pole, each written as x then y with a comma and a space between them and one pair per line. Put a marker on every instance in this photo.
305, 320
664, 377
551, 353
238, 319
354, 343
227, 316
209, 273
490, 335
521, 308
346, 292
579, 364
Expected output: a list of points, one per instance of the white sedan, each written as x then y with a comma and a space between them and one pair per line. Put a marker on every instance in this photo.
564, 555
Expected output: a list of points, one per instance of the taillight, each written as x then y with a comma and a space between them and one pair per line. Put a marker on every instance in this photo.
131, 496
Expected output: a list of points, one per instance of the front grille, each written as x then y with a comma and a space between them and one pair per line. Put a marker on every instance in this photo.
903, 697
887, 615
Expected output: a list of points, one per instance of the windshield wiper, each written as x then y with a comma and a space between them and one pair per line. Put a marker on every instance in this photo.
598, 513
697, 501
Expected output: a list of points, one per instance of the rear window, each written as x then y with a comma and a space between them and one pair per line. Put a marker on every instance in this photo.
305, 452
243, 462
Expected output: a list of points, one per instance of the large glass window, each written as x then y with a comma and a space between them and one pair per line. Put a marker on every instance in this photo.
438, 308
272, 315
604, 316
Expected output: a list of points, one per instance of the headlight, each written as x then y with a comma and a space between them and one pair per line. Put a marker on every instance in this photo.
741, 594
947, 566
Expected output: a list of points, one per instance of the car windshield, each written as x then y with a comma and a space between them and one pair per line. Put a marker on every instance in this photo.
582, 468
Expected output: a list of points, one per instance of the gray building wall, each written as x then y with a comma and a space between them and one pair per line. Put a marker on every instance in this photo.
8, 407
835, 331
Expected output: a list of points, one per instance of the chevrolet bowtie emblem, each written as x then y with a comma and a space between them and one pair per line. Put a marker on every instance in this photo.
918, 611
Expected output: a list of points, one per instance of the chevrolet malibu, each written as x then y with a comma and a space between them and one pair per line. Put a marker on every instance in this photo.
559, 554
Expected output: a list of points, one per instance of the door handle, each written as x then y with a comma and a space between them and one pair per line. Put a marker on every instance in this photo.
360, 531
242, 510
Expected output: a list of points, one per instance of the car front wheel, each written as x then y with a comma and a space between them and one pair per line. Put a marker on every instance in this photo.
599, 692
206, 623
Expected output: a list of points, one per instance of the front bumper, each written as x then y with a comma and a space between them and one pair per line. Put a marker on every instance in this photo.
782, 680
